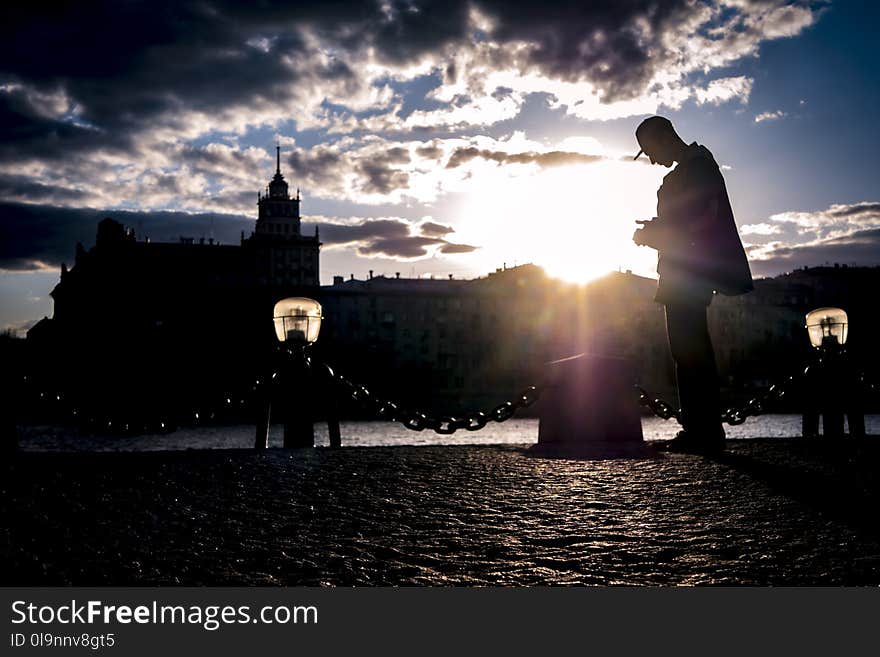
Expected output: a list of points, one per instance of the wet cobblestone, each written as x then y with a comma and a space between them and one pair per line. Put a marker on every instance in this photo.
768, 514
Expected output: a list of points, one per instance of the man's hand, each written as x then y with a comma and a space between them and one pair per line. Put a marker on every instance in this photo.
645, 236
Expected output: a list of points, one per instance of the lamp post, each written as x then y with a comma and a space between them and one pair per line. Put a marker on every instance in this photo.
831, 383
297, 325
828, 328
297, 322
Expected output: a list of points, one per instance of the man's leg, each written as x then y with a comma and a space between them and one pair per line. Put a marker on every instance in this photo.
695, 369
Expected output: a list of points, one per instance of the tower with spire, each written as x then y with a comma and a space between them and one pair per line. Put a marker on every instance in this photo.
285, 255
278, 212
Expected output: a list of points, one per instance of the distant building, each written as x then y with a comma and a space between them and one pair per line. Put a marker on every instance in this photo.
152, 286
458, 345
134, 317
440, 341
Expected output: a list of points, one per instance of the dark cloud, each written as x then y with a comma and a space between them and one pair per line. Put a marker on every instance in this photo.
35, 235
318, 165
26, 188
130, 67
389, 237
26, 131
324, 166
601, 41
432, 229
214, 160
169, 183
127, 66
373, 170
549, 159
405, 247
234, 198
861, 248
430, 152
408, 30
615, 45
377, 177
854, 210
395, 155
449, 247
365, 231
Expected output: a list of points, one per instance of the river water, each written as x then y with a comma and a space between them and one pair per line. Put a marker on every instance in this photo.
377, 434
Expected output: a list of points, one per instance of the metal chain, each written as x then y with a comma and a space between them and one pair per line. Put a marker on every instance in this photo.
59, 403
732, 416
658, 407
870, 386
388, 410
758, 405
446, 424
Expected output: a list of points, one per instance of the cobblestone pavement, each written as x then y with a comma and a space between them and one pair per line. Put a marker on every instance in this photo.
768, 513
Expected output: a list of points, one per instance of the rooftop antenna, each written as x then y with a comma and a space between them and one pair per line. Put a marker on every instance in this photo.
278, 159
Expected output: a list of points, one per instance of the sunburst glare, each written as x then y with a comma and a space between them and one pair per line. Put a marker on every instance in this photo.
575, 221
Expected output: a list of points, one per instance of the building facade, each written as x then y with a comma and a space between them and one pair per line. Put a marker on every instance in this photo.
135, 318
281, 255
175, 285
454, 346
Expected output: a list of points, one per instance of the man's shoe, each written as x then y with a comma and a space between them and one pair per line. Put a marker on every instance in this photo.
690, 442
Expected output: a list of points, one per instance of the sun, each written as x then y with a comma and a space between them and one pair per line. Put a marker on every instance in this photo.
574, 221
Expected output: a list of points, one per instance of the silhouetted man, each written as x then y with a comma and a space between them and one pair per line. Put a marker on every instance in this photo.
699, 253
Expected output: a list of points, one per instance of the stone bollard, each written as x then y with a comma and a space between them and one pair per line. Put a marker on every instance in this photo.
589, 410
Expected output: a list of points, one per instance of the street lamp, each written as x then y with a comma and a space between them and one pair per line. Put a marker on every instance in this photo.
831, 385
827, 327
295, 379
297, 320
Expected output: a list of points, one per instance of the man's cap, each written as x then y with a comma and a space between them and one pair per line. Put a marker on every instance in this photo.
650, 129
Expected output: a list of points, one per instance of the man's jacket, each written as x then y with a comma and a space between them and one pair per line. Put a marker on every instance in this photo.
699, 248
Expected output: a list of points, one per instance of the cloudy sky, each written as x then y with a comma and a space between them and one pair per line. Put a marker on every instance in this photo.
432, 138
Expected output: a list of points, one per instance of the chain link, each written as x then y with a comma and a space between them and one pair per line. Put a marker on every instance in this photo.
445, 425
868, 385
732, 416
64, 407
657, 406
